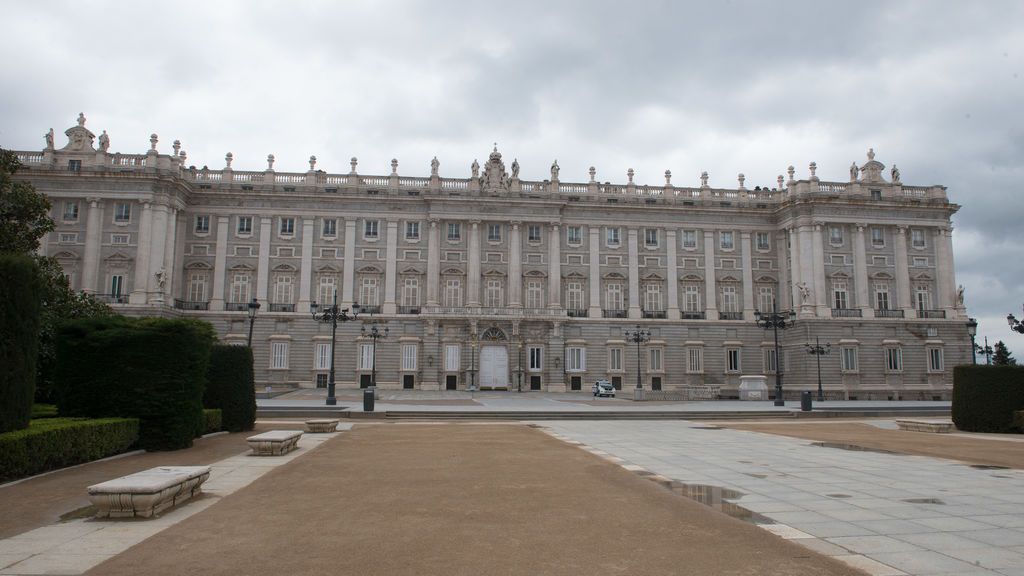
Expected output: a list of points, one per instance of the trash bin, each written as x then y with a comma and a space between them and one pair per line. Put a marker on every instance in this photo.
805, 401
368, 400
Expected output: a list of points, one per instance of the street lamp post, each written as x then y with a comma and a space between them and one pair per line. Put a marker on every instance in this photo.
972, 330
253, 307
332, 315
776, 321
986, 350
818, 351
519, 370
638, 336
1015, 325
472, 361
374, 333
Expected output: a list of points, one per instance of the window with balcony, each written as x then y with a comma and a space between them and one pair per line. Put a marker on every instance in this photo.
691, 298
877, 238
835, 235
410, 292
284, 293
765, 298
453, 292
534, 294
197, 282
240, 287
327, 288
574, 296
493, 294
613, 297
923, 297
917, 238
840, 294
369, 293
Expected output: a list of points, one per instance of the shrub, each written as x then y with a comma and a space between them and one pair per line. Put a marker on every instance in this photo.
985, 397
58, 442
212, 420
230, 386
40, 411
153, 369
19, 339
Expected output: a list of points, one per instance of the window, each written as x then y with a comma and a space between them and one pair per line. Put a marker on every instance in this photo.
536, 359
654, 360
68, 237
694, 360
935, 359
244, 225
411, 292
762, 241
412, 230
769, 361
409, 357
71, 210
368, 294
451, 357
197, 286
839, 294
122, 212
575, 359
322, 356
894, 359
611, 236
534, 294
366, 357
732, 360
452, 292
725, 240
284, 289
689, 238
615, 359
881, 296
116, 285
613, 297
691, 298
652, 297
729, 300
330, 227
876, 194
848, 359
202, 225
533, 233
766, 298
917, 238
328, 288
494, 232
921, 262
651, 237
923, 297
279, 355
454, 231
574, 295
120, 238
877, 239
371, 229
879, 261
835, 235
574, 235
287, 227
493, 294
240, 282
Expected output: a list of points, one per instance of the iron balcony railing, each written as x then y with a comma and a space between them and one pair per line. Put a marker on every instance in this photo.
191, 304
846, 313
730, 315
282, 307
614, 313
886, 313
690, 315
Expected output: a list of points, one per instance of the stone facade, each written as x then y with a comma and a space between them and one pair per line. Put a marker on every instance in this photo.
509, 283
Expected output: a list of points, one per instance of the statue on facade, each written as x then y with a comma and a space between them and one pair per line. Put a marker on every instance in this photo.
895, 174
161, 278
81, 119
49, 139
805, 292
960, 296
515, 168
854, 172
554, 170
104, 142
704, 179
434, 165
475, 167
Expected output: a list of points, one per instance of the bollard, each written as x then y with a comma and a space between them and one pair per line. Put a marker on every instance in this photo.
368, 400
805, 401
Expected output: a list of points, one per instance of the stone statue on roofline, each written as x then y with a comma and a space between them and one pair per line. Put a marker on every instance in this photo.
49, 139
81, 119
895, 174
475, 167
805, 292
960, 296
854, 172
515, 168
554, 170
104, 141
435, 164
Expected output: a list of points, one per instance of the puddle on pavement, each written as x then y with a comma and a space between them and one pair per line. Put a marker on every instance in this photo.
79, 513
852, 447
989, 467
718, 498
924, 501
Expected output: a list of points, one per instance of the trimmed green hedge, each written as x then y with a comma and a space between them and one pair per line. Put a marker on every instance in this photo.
230, 386
19, 339
985, 397
212, 420
40, 411
58, 442
153, 369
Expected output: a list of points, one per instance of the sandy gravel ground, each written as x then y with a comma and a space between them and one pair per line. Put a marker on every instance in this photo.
461, 499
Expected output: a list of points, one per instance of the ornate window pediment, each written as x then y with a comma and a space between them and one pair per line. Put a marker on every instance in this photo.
243, 267
328, 269
198, 265
652, 277
411, 271
368, 269
66, 256
729, 278
613, 276
535, 274
284, 268
765, 279
494, 273
493, 334
691, 278
452, 272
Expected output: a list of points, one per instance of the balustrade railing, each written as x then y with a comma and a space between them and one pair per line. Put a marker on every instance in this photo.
30, 157
609, 313
373, 180
577, 312
282, 307
191, 304
408, 309
451, 184
112, 298
730, 315
236, 306
654, 314
846, 313
687, 315
931, 314
888, 313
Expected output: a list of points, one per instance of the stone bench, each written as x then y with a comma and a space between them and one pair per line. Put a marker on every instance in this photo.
149, 492
274, 442
924, 426
321, 426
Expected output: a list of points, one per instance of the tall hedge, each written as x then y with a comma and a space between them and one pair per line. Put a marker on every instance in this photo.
230, 387
19, 339
985, 397
153, 369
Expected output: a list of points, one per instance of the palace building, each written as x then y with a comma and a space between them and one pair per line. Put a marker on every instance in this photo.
491, 280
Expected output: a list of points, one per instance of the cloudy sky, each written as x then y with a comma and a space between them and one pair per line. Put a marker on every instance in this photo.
935, 87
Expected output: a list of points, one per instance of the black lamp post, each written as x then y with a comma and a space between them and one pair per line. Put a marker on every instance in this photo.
986, 350
638, 336
972, 330
1015, 325
818, 351
332, 315
472, 361
776, 321
374, 333
519, 370
253, 307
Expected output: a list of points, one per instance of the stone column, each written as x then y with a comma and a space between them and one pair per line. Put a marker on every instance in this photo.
263, 261
170, 268
903, 299
473, 266
515, 266
748, 276
391, 268
807, 270
306, 266
710, 296
91, 259
860, 273
784, 301
220, 264
821, 299
595, 272
142, 254
945, 281
634, 273
796, 274
177, 281
555, 267
433, 262
672, 310
348, 273
157, 251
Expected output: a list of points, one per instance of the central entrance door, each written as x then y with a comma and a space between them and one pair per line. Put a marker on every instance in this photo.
494, 366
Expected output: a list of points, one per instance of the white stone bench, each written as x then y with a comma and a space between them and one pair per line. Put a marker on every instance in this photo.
148, 492
274, 442
321, 426
924, 426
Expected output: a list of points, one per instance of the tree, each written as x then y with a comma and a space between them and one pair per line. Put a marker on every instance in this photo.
1002, 356
24, 220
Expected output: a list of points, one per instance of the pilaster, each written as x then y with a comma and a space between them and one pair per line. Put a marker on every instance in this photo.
306, 266
142, 254
348, 279
748, 276
515, 266
595, 272
263, 261
821, 300
710, 297
860, 273
672, 275
632, 245
904, 301
554, 267
157, 252
220, 264
784, 292
390, 268
433, 262
473, 266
